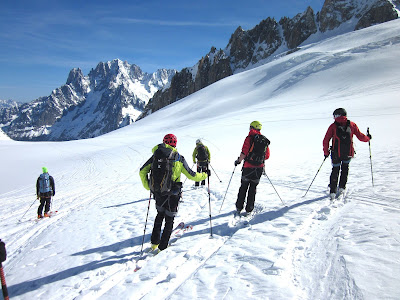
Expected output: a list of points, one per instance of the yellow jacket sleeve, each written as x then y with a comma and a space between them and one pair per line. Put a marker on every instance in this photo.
144, 170
209, 154
191, 174
194, 155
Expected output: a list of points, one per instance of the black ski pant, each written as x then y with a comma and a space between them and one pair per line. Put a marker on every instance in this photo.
44, 203
167, 208
202, 166
250, 179
342, 167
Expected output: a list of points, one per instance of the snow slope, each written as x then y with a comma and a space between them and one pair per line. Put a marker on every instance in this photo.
297, 248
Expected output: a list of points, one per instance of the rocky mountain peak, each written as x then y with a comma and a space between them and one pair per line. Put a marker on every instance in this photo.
299, 28
78, 80
111, 96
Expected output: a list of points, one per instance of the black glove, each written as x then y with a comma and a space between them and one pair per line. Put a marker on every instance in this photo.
326, 155
3, 253
368, 135
237, 162
209, 173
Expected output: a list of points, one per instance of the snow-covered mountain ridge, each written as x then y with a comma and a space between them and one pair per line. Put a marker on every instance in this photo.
111, 96
271, 39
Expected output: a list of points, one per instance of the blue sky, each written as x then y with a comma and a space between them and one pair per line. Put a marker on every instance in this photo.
41, 40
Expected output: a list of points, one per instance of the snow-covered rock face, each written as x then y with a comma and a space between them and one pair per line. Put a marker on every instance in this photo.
362, 13
248, 49
111, 96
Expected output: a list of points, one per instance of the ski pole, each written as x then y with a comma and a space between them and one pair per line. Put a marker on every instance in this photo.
265, 174
215, 173
3, 283
315, 176
209, 204
27, 210
51, 202
370, 157
227, 189
145, 224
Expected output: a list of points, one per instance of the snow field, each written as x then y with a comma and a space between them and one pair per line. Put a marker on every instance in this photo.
305, 248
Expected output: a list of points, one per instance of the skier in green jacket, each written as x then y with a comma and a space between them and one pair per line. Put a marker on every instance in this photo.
203, 156
166, 192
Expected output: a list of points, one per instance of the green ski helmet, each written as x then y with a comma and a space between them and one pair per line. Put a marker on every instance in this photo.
44, 169
256, 125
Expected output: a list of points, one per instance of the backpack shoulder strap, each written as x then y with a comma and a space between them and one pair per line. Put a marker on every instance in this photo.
252, 137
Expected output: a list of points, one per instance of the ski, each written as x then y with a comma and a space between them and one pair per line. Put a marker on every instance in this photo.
339, 196
242, 218
246, 218
235, 219
49, 215
183, 228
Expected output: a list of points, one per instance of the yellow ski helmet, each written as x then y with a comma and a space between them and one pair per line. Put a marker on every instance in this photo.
256, 125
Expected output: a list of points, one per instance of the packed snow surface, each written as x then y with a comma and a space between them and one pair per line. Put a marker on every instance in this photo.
294, 247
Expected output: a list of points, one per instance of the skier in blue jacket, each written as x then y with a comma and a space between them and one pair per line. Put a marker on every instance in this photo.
45, 189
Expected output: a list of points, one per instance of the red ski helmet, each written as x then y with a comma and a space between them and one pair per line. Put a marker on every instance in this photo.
170, 139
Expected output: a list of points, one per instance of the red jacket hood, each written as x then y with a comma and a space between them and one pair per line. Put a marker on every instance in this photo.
341, 120
254, 132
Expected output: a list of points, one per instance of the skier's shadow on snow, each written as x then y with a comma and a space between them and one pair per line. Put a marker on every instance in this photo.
224, 229
31, 285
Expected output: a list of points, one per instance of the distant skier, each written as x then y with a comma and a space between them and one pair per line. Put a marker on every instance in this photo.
165, 167
45, 189
203, 156
341, 132
255, 151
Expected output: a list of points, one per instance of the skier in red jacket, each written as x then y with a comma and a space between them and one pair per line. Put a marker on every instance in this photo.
252, 169
341, 132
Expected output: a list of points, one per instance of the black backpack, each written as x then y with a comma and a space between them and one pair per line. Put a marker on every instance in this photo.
202, 154
259, 145
343, 141
161, 170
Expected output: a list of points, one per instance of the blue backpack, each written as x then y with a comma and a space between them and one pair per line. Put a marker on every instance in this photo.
44, 183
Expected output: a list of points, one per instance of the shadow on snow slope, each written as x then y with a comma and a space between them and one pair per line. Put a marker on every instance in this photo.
222, 230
